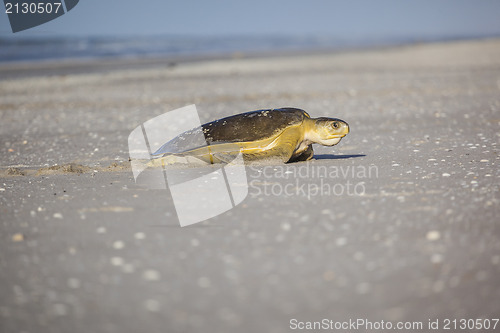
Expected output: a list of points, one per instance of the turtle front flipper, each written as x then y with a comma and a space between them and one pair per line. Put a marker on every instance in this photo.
306, 155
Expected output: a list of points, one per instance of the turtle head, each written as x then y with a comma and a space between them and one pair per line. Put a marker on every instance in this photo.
327, 131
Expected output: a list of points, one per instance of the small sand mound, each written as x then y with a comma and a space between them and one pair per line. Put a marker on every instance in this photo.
117, 166
61, 169
15, 172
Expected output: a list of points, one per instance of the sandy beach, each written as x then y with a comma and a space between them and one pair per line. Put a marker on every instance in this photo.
397, 223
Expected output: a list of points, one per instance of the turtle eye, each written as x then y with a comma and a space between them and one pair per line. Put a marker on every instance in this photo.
335, 124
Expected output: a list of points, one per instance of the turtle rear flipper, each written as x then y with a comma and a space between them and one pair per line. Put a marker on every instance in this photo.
224, 152
225, 157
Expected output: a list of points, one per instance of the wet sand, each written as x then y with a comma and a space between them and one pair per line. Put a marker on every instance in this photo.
414, 234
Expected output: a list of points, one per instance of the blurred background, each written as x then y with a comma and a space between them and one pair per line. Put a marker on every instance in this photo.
158, 28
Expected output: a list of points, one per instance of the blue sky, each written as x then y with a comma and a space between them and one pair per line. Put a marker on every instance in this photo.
344, 19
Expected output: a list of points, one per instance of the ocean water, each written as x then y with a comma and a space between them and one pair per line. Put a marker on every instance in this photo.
39, 49
33, 49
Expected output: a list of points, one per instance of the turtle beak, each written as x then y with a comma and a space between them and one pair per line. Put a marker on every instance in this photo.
344, 129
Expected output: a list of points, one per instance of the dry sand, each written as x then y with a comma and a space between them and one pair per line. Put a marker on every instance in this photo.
84, 250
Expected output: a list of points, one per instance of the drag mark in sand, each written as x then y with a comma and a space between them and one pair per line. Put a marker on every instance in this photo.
68, 168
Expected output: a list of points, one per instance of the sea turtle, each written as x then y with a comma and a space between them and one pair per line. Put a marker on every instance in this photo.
286, 134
